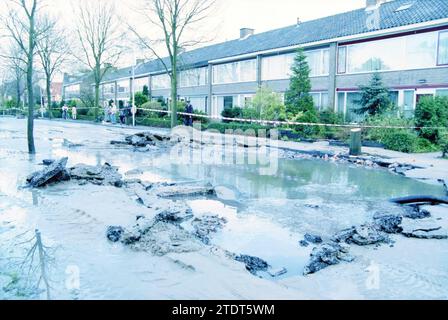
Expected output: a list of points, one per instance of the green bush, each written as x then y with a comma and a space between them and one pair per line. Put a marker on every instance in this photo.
154, 122
140, 99
331, 117
232, 113
424, 146
400, 140
378, 134
202, 120
222, 127
431, 112
154, 105
251, 113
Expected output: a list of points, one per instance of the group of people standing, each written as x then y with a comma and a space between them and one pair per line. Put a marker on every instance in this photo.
111, 110
65, 114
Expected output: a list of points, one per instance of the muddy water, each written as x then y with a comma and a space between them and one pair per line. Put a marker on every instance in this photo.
267, 214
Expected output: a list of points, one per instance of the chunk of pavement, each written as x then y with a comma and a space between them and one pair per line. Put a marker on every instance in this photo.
134, 172
424, 229
69, 144
327, 254
47, 162
98, 175
183, 190
304, 243
206, 226
163, 238
415, 212
361, 235
274, 273
55, 172
389, 223
313, 238
114, 233
253, 264
175, 212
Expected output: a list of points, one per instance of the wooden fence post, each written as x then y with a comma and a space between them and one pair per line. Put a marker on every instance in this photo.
355, 142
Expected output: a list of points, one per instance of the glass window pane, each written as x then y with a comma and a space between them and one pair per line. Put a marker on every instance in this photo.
324, 101
421, 50
316, 99
408, 103
228, 102
161, 82
393, 96
342, 59
341, 102
443, 48
319, 62
409, 52
277, 67
242, 71
442, 92
140, 83
353, 103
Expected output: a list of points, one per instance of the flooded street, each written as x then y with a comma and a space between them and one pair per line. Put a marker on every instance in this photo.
266, 217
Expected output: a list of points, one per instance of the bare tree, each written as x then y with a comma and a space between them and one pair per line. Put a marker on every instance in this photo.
15, 70
53, 52
173, 18
100, 40
20, 23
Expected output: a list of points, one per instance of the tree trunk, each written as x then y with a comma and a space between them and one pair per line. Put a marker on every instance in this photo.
19, 93
97, 76
50, 115
29, 79
97, 100
174, 92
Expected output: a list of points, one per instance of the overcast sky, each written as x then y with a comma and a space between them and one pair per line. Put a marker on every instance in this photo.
227, 17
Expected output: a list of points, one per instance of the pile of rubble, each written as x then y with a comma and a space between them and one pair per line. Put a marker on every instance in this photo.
57, 171
143, 141
413, 222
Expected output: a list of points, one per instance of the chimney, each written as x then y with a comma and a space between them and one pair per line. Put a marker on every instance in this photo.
299, 22
246, 32
373, 4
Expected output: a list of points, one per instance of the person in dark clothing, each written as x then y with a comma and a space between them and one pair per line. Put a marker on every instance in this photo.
189, 118
123, 115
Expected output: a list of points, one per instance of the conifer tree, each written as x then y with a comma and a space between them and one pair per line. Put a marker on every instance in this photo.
299, 103
375, 97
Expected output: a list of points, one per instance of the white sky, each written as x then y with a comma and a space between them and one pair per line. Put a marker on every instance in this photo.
228, 16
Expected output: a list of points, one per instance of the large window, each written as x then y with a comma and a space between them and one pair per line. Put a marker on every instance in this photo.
442, 92
408, 103
320, 100
193, 77
161, 82
277, 67
224, 102
242, 71
123, 86
443, 49
140, 83
319, 62
408, 52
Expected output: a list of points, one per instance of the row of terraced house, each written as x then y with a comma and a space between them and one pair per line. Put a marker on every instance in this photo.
405, 40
